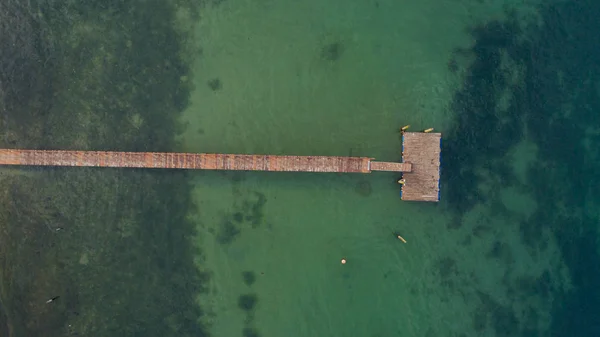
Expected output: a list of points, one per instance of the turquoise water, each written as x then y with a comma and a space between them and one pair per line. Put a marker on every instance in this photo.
511, 249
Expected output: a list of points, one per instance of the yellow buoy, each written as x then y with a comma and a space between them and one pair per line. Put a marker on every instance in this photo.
404, 128
428, 130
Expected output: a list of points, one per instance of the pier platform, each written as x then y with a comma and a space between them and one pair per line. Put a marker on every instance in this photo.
423, 151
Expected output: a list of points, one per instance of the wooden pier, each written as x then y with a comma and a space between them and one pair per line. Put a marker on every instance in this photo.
420, 167
423, 151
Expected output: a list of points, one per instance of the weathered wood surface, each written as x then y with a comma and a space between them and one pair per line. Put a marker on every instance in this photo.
390, 166
194, 161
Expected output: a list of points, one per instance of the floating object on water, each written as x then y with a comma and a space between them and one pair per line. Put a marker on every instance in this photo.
52, 299
401, 238
404, 128
401, 181
343, 261
428, 130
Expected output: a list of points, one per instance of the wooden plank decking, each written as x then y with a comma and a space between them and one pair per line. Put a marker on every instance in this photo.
422, 150
195, 161
390, 167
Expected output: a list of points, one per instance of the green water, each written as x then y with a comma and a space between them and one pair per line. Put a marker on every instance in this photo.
511, 249
335, 79
330, 85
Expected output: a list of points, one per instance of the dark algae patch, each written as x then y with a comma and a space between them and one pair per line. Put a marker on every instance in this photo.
248, 213
537, 83
238, 217
227, 231
247, 302
215, 84
250, 332
249, 277
332, 52
253, 209
114, 247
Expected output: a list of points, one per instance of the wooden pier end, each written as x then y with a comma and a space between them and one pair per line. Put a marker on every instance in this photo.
423, 151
